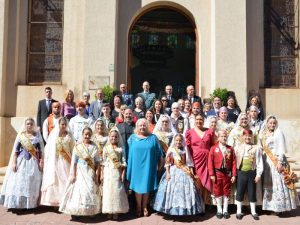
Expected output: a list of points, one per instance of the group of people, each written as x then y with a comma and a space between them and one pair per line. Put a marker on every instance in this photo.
175, 155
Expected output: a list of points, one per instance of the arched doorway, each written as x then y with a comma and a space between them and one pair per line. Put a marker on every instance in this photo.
162, 50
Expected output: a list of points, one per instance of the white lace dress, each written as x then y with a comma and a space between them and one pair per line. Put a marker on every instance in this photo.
21, 189
82, 198
56, 170
114, 194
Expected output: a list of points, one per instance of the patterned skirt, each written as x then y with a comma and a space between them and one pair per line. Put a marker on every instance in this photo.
179, 195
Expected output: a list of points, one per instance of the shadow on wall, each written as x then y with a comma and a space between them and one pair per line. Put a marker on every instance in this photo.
10, 132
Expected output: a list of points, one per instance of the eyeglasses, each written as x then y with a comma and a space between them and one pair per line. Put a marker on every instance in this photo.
164, 100
165, 121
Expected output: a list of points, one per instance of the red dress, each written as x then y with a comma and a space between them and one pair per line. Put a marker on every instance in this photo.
199, 149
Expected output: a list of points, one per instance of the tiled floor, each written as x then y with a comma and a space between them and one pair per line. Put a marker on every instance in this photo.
48, 216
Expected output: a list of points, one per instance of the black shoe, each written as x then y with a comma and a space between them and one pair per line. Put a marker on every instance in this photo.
226, 215
219, 215
239, 216
255, 216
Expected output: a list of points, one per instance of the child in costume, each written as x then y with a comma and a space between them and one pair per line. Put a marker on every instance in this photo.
250, 168
177, 193
113, 176
222, 171
82, 196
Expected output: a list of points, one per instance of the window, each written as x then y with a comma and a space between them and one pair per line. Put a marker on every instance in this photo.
135, 39
153, 39
281, 48
44, 51
172, 41
189, 42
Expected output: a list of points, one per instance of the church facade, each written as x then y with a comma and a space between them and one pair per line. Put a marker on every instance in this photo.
81, 45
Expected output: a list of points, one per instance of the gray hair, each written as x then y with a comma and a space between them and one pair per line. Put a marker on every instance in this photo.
86, 94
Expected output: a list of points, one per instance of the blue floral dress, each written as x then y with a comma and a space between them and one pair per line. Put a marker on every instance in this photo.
179, 195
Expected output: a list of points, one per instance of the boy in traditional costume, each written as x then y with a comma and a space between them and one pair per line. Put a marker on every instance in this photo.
250, 168
222, 171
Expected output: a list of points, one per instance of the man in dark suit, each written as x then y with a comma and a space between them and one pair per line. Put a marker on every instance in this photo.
44, 108
127, 98
147, 97
168, 93
126, 129
96, 106
190, 90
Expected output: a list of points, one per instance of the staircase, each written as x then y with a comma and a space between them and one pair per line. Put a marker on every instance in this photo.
2, 174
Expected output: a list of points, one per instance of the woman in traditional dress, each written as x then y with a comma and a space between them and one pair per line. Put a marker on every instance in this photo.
235, 136
255, 101
23, 178
177, 193
113, 176
179, 123
279, 193
82, 196
100, 135
164, 131
199, 140
58, 154
223, 123
145, 157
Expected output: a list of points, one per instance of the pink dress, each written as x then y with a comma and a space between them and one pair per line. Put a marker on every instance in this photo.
199, 149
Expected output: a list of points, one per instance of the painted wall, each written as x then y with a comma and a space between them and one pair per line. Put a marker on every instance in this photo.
95, 49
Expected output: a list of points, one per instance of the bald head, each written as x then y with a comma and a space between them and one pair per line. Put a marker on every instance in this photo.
56, 108
146, 86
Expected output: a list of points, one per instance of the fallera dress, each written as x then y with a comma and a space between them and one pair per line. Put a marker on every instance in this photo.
277, 197
114, 194
21, 189
83, 197
58, 155
179, 195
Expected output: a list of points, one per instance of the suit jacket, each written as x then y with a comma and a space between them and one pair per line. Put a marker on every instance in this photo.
215, 159
95, 111
195, 99
169, 101
148, 99
127, 99
43, 112
125, 130
254, 152
212, 112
